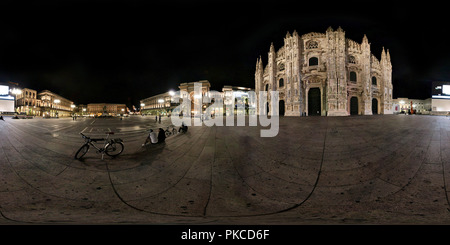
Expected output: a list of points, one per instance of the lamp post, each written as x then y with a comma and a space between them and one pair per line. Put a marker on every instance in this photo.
401, 105
73, 110
160, 101
142, 107
15, 92
57, 101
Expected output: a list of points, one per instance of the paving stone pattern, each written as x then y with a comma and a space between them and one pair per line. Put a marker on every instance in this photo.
385, 169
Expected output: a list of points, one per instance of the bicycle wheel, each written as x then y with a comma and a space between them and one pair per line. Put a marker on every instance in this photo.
114, 149
82, 151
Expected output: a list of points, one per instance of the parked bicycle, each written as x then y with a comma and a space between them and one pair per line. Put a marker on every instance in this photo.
169, 131
111, 147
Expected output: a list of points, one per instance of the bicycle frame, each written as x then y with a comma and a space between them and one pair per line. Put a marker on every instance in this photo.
107, 142
89, 141
171, 130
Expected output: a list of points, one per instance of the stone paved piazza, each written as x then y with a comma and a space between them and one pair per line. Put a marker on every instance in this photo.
385, 169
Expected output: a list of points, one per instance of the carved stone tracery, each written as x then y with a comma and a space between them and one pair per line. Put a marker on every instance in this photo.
344, 67
312, 44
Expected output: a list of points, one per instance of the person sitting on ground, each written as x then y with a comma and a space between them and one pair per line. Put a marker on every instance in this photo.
1, 118
161, 136
151, 138
183, 128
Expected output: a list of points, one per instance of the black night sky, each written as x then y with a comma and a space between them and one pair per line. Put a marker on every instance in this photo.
123, 51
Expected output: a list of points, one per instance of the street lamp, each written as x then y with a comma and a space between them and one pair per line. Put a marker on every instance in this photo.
15, 92
73, 109
57, 101
142, 107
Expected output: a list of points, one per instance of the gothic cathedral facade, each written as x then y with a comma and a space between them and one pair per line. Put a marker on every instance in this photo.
327, 75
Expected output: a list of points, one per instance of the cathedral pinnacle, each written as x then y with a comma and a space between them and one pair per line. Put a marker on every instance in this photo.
383, 55
388, 56
365, 40
344, 69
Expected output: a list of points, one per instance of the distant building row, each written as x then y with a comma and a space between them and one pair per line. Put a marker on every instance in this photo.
26, 101
438, 104
165, 103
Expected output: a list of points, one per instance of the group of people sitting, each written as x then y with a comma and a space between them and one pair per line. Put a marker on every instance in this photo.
161, 137
155, 139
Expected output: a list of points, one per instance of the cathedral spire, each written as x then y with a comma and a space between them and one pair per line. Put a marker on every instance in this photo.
272, 48
388, 56
383, 55
365, 40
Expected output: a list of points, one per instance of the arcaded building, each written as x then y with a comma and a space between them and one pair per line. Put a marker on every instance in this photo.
326, 74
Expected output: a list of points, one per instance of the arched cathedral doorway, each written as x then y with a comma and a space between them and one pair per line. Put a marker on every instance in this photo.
314, 102
374, 106
281, 107
354, 106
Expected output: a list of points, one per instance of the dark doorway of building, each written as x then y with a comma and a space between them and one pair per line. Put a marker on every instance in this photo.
374, 106
281, 108
354, 106
314, 102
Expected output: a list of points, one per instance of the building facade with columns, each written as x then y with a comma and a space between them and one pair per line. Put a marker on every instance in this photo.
102, 109
53, 105
27, 102
326, 74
